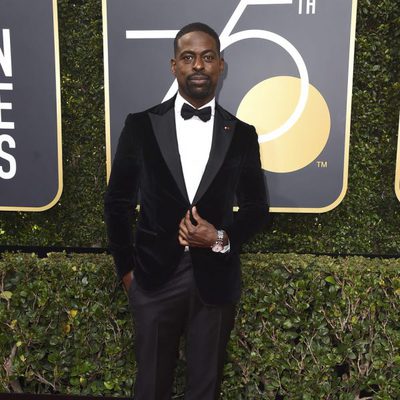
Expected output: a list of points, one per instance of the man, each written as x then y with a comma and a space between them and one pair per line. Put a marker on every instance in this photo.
181, 269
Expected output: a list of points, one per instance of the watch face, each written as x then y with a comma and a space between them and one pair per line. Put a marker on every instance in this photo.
218, 247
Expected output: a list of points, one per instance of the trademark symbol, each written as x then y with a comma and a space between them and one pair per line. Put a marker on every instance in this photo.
322, 164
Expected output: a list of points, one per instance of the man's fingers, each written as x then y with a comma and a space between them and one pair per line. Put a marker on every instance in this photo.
182, 223
127, 280
183, 228
188, 222
200, 235
183, 241
183, 233
196, 215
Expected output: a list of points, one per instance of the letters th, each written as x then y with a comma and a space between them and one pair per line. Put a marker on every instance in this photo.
8, 165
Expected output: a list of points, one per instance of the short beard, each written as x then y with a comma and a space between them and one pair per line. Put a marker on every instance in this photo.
196, 92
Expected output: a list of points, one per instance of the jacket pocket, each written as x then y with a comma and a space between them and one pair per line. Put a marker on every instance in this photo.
145, 234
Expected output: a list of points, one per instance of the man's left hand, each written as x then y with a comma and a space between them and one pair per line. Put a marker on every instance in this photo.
203, 234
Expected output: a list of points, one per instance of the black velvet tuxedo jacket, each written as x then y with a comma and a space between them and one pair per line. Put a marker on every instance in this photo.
147, 160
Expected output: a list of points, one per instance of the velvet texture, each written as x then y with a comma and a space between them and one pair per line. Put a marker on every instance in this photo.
147, 159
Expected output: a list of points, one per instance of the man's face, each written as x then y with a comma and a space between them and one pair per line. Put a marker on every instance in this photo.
197, 67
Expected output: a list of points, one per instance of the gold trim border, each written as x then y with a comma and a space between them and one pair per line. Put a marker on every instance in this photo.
106, 89
347, 129
397, 176
347, 126
59, 122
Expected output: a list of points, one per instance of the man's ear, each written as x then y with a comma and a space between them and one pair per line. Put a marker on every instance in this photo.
173, 66
221, 65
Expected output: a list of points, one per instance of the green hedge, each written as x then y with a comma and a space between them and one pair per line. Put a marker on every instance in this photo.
366, 221
307, 328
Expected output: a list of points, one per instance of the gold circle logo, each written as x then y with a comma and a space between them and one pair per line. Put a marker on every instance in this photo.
268, 105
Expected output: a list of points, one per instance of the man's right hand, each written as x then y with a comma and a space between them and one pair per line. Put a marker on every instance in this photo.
127, 280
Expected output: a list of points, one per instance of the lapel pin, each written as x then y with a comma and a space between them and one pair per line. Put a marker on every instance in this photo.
227, 128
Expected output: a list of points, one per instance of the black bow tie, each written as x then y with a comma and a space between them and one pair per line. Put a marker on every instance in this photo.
188, 111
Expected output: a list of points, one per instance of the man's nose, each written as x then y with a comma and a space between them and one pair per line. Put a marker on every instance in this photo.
198, 64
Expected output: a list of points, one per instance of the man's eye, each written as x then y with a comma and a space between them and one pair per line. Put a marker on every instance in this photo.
208, 57
188, 58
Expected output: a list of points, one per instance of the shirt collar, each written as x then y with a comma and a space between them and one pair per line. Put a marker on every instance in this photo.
179, 101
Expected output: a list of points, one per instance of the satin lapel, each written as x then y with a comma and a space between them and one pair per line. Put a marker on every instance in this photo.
165, 133
224, 128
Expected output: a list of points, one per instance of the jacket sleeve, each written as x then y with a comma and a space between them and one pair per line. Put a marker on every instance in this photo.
251, 195
122, 196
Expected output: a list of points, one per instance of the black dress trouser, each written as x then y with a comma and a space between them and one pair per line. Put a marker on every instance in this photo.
161, 318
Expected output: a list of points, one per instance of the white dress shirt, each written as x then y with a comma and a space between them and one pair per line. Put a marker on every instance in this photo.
194, 143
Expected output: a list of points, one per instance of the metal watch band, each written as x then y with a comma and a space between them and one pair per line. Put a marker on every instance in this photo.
218, 246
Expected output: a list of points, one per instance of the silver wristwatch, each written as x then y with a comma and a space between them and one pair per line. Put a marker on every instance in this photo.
218, 246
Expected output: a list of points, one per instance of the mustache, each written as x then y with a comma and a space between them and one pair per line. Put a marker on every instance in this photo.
198, 75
